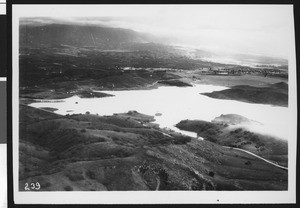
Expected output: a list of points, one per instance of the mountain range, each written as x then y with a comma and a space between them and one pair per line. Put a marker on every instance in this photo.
109, 38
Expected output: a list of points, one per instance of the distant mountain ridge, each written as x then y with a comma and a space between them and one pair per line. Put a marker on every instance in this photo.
78, 36
110, 38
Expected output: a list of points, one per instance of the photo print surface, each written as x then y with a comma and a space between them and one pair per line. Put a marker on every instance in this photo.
196, 103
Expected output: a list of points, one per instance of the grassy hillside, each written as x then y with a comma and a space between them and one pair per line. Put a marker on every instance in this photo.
125, 152
262, 145
275, 94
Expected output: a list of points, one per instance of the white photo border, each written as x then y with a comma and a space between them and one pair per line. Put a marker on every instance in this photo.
144, 197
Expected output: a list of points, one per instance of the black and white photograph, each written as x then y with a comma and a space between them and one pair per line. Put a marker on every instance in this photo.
154, 104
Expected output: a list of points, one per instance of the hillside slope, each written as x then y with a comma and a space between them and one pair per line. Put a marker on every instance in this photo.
276, 94
126, 152
77, 36
226, 134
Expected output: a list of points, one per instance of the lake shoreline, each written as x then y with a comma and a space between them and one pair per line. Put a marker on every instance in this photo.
178, 79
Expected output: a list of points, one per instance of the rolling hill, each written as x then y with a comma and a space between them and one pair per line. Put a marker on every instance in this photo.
125, 152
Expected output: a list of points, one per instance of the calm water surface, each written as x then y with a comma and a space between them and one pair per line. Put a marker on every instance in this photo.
176, 104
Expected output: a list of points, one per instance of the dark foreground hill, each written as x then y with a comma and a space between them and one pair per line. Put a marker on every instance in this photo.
275, 94
126, 152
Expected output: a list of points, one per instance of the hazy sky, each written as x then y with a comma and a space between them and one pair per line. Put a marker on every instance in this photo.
261, 29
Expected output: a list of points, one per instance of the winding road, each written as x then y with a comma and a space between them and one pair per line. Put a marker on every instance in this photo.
158, 184
272, 163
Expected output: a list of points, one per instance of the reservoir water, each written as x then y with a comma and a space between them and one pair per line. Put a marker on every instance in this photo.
170, 105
